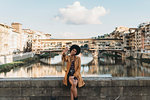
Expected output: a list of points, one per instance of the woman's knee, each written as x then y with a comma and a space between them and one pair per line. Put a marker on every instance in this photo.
72, 89
74, 84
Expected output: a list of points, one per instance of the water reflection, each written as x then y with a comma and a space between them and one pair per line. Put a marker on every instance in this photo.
103, 67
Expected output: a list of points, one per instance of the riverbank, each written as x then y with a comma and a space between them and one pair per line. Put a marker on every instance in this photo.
145, 60
7, 67
36, 58
5, 59
47, 55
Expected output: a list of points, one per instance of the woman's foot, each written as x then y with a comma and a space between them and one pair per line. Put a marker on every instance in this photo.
75, 98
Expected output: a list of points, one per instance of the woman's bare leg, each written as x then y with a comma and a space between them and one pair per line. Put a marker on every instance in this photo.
73, 86
72, 97
71, 89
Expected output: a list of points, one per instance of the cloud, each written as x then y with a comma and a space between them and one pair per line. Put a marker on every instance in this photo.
70, 35
78, 14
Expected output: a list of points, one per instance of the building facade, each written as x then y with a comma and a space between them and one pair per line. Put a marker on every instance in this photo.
14, 39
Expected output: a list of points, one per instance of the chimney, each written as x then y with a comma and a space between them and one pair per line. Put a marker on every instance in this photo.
17, 27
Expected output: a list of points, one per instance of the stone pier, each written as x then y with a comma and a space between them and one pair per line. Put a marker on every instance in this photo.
95, 89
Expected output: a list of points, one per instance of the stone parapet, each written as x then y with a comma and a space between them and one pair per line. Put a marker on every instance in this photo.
52, 88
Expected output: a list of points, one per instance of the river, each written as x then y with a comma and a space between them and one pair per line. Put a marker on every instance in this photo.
90, 67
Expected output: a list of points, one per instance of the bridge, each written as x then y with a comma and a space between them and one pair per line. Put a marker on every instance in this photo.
93, 45
52, 44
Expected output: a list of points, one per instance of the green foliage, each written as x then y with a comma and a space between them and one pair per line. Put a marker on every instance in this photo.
46, 55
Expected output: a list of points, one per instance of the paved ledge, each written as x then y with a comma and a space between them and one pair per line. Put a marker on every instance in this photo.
84, 78
96, 88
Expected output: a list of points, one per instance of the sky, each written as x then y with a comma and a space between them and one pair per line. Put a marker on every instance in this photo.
74, 19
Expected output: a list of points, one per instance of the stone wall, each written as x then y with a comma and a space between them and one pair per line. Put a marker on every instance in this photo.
95, 89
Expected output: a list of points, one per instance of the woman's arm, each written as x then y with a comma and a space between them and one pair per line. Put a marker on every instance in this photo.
64, 56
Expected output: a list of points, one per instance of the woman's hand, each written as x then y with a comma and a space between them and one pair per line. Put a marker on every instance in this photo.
65, 50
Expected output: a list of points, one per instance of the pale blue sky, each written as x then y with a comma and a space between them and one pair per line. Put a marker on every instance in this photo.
41, 15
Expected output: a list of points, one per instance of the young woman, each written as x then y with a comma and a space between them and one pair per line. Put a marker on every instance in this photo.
73, 77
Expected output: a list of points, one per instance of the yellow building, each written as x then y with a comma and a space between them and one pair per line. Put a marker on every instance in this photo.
147, 38
4, 43
14, 39
10, 39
